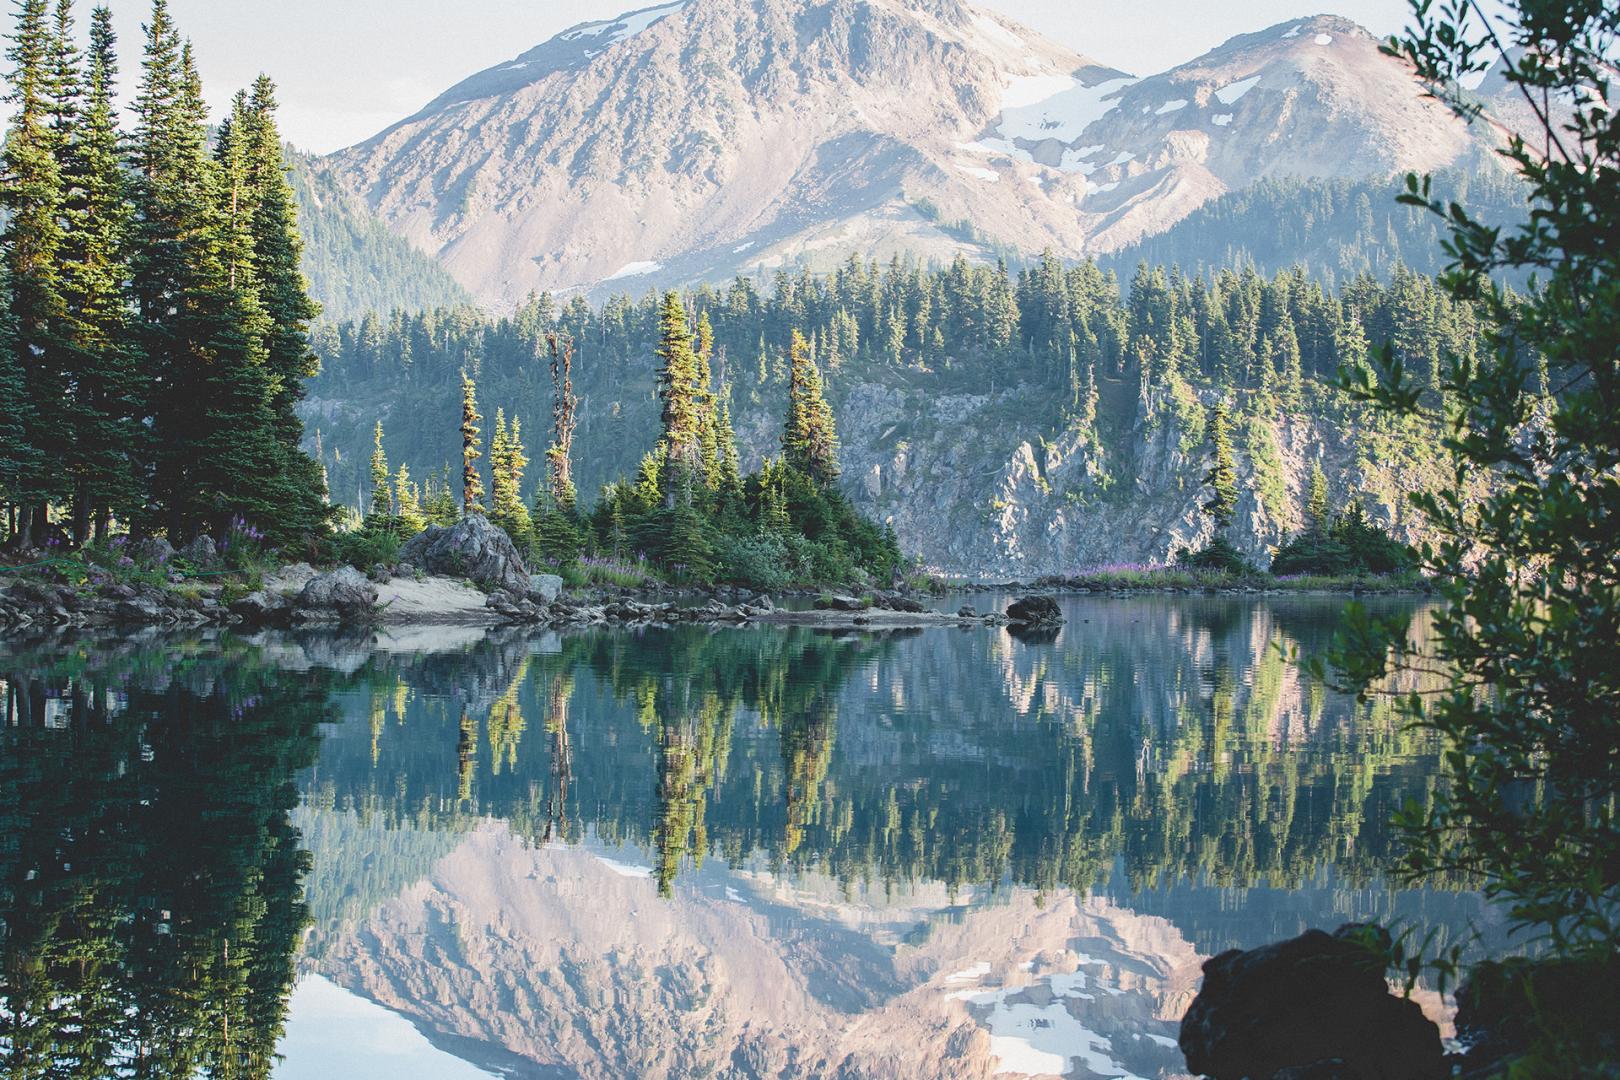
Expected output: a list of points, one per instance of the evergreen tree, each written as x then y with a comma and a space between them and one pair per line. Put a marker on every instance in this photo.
681, 393
284, 295
809, 438
408, 500
1222, 476
1316, 505
381, 494
32, 198
507, 461
472, 480
102, 361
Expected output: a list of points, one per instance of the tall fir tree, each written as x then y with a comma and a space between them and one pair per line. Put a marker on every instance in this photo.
809, 437
32, 198
104, 365
278, 254
381, 492
1222, 477
472, 478
1316, 503
680, 391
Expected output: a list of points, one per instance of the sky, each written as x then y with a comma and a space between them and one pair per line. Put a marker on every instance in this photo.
349, 68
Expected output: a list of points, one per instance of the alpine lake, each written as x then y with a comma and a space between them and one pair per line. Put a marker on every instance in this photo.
687, 852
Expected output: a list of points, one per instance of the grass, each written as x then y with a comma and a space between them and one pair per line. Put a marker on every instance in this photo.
619, 573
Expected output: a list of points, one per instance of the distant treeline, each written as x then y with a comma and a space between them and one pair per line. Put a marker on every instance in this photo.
969, 327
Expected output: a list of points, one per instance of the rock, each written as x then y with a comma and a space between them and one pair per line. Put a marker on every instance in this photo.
380, 573
1035, 611
260, 607
839, 603
345, 594
472, 548
201, 552
153, 551
545, 587
1313, 1006
289, 579
764, 602
966, 611
896, 602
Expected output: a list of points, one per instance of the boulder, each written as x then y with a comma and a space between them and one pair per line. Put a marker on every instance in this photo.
966, 611
345, 594
1035, 611
1313, 1006
152, 551
839, 603
473, 548
258, 608
545, 587
201, 552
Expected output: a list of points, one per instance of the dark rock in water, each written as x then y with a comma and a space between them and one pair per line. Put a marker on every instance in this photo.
966, 611
473, 548
262, 608
1035, 611
345, 595
1316, 1006
840, 603
1035, 633
897, 602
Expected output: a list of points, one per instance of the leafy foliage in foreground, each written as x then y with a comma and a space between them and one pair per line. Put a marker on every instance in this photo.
1528, 639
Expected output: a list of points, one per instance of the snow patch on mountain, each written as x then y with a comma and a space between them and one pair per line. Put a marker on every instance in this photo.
1231, 93
1061, 107
634, 269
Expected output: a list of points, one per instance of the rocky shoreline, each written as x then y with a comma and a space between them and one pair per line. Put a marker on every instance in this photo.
469, 574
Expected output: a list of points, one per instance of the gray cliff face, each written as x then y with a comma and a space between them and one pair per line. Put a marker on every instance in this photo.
974, 487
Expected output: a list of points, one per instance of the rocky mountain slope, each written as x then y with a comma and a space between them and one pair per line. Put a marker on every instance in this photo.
698, 139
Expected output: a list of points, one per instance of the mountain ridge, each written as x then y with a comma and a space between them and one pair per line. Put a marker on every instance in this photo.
695, 140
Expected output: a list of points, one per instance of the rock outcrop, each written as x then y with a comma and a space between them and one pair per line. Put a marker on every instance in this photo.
344, 595
1313, 1006
474, 548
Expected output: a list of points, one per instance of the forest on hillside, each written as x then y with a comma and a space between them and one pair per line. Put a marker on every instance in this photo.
1101, 353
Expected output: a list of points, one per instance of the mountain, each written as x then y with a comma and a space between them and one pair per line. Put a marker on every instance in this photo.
699, 139
353, 262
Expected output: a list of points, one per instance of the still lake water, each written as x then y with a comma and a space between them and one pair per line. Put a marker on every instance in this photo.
679, 853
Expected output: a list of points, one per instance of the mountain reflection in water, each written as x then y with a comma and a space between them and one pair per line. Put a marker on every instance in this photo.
673, 853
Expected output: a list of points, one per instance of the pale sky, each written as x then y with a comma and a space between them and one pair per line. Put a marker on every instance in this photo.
349, 68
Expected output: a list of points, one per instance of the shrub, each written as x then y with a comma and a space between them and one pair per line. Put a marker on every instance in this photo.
1218, 555
756, 562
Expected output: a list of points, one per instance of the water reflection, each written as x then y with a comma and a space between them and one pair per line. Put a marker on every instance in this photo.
693, 851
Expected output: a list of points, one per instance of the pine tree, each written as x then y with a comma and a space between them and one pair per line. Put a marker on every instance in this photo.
681, 393
729, 467
412, 520
472, 481
1222, 476
284, 294
809, 437
1316, 505
99, 345
32, 197
381, 494
16, 416
507, 461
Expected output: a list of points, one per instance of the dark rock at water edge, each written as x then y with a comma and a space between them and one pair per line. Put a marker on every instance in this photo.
473, 548
1035, 611
344, 595
1314, 1006
1505, 1008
